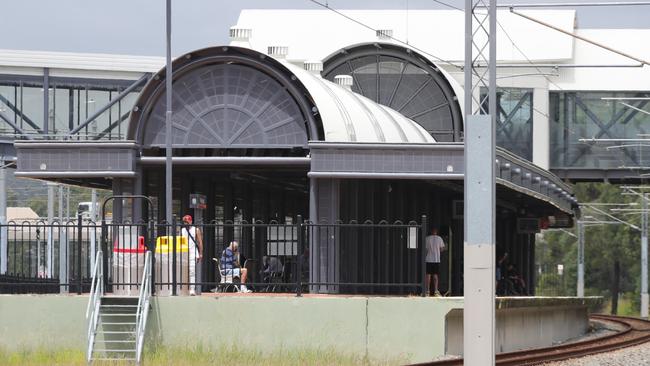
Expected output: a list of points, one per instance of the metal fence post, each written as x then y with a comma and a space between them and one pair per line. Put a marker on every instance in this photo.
299, 250
173, 236
79, 240
152, 247
423, 240
104, 246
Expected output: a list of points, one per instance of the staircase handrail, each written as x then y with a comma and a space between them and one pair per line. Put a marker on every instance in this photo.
96, 293
143, 306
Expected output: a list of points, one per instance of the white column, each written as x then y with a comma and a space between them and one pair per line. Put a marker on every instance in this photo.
580, 291
541, 128
61, 193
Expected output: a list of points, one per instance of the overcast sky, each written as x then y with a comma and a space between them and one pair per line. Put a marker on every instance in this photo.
138, 26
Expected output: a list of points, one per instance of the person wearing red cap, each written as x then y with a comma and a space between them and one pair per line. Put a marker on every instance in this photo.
195, 250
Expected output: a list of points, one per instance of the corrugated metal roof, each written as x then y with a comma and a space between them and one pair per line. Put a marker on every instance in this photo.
351, 117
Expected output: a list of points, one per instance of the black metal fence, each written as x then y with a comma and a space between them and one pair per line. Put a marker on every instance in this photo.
42, 257
294, 257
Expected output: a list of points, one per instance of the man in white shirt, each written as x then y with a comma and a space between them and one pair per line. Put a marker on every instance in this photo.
434, 245
195, 249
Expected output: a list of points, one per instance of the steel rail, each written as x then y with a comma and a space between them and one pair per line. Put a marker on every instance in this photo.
634, 331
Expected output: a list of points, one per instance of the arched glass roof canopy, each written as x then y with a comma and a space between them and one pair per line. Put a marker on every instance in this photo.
403, 80
232, 98
227, 97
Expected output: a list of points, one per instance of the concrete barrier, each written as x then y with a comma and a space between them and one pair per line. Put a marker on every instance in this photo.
411, 329
528, 322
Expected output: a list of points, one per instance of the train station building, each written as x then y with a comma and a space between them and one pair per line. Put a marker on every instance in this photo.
305, 117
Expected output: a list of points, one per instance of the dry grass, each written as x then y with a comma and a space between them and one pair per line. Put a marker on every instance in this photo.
196, 356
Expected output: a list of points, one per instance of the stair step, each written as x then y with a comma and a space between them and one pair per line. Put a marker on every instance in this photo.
119, 306
115, 350
117, 341
114, 332
111, 323
113, 359
117, 314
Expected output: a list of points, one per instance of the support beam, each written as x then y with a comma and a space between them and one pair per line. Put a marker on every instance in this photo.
14, 126
46, 100
103, 109
20, 113
541, 128
644, 258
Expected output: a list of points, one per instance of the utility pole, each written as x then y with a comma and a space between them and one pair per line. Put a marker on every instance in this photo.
580, 291
644, 257
480, 192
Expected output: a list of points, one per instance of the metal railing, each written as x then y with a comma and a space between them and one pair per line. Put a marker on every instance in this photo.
47, 257
143, 307
291, 257
94, 302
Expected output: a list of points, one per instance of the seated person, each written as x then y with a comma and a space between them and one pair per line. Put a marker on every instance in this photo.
513, 275
230, 264
272, 265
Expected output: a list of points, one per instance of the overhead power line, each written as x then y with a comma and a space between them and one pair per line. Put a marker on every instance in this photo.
326, 6
575, 5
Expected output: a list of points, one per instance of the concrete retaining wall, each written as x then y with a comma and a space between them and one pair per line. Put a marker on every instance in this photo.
406, 328
525, 323
409, 329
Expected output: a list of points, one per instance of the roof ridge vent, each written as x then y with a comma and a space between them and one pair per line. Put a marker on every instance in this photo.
314, 67
384, 34
278, 51
346, 81
240, 34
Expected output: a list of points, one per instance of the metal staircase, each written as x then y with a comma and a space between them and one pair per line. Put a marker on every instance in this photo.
116, 325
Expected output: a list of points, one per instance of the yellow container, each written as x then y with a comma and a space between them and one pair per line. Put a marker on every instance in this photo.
163, 244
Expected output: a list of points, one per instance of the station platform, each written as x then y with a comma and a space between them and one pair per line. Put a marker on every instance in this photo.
405, 329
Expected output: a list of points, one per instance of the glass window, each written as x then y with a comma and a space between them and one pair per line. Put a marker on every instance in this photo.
578, 115
514, 129
70, 103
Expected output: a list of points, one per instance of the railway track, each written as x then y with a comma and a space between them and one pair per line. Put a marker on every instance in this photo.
633, 332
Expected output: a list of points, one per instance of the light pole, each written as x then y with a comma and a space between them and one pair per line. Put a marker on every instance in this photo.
168, 116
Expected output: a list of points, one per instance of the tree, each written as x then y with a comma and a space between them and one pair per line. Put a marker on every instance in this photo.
612, 252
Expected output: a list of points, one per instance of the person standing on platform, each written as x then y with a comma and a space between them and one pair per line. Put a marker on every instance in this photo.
195, 250
434, 245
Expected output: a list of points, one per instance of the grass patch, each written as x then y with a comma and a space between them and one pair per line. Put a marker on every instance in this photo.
198, 356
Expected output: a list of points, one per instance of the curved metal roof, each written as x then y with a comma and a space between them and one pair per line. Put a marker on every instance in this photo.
351, 117
401, 78
202, 83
